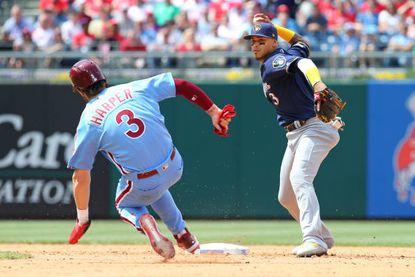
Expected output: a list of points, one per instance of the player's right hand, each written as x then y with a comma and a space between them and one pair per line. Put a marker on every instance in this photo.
78, 231
260, 17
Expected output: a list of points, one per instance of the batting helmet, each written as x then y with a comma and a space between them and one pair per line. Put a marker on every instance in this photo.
85, 73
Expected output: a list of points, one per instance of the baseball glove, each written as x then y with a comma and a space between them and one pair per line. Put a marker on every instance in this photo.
328, 104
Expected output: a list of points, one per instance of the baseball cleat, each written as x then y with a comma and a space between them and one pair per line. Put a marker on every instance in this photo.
329, 241
308, 249
187, 241
294, 251
162, 245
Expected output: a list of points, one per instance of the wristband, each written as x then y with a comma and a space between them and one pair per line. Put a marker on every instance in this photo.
284, 33
83, 216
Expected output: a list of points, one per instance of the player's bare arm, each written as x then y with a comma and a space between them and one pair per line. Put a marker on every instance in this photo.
297, 38
81, 180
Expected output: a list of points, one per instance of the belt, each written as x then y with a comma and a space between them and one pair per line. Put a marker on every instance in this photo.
154, 171
295, 125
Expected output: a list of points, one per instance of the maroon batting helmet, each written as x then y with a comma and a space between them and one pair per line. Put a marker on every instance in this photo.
85, 73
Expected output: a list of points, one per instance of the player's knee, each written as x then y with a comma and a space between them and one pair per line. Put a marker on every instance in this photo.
284, 201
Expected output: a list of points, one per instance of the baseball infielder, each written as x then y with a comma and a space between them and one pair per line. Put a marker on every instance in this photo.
288, 79
124, 123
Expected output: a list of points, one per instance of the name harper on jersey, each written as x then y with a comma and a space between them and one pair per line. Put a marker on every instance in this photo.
110, 104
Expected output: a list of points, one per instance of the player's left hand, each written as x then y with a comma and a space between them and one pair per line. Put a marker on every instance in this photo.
225, 118
221, 119
78, 231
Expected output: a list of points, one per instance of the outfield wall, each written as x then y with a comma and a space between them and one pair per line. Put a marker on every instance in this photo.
235, 177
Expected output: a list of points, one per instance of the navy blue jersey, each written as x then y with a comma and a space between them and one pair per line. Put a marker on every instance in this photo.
285, 85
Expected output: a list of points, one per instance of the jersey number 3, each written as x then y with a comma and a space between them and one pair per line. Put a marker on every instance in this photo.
131, 121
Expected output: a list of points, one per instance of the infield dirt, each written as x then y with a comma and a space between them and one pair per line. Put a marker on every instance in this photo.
139, 260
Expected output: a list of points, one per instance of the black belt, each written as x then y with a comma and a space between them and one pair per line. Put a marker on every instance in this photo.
154, 171
295, 125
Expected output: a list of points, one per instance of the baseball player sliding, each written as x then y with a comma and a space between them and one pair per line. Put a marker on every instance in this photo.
290, 81
124, 123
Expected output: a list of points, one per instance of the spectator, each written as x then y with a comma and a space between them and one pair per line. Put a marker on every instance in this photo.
349, 44
237, 18
283, 18
188, 42
204, 24
369, 4
194, 9
304, 11
165, 12
331, 13
57, 46
132, 42
181, 21
125, 23
410, 21
226, 32
389, 19
98, 25
139, 12
71, 27
94, 7
316, 29
317, 22
217, 9
348, 9
25, 45
58, 43
112, 35
167, 37
369, 43
148, 30
59, 7
369, 17
16, 23
43, 35
81, 8
214, 42
399, 42
6, 44
83, 41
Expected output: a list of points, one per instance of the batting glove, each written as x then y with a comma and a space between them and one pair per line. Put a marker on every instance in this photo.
227, 113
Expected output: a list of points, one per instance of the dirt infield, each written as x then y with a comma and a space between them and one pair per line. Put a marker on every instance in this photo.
139, 260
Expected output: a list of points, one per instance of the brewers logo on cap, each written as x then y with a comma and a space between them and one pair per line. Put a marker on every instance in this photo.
262, 29
257, 27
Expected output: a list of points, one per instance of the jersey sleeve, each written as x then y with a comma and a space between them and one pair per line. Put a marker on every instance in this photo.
279, 65
159, 87
86, 146
299, 49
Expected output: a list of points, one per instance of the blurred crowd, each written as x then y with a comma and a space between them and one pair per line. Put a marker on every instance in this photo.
341, 27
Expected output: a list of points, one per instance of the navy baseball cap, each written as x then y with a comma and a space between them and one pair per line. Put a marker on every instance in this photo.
266, 30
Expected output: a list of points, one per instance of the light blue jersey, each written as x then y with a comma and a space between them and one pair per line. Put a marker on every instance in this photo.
125, 124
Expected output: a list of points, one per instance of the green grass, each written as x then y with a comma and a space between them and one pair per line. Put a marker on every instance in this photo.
249, 232
8, 255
